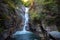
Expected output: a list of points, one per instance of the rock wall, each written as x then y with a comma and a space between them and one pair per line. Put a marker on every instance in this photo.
9, 20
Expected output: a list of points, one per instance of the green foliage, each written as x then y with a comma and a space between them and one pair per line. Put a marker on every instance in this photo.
10, 3
27, 4
49, 7
37, 17
50, 21
13, 3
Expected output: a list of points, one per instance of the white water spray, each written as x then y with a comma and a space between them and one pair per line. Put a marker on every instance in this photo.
26, 19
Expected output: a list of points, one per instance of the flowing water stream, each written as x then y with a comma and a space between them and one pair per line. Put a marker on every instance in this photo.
24, 34
26, 19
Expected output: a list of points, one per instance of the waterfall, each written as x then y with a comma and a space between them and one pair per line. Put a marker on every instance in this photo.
25, 22
26, 19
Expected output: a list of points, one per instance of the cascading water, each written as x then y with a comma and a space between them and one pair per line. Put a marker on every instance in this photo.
26, 19
25, 22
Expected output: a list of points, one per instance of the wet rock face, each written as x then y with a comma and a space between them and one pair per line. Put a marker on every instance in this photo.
10, 20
